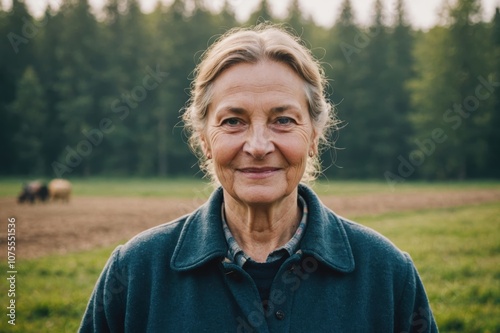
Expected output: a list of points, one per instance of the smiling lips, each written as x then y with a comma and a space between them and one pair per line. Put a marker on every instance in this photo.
260, 172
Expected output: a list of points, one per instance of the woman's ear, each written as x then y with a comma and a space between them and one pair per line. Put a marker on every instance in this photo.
205, 147
314, 143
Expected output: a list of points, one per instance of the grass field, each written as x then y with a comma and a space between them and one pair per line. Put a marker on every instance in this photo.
456, 250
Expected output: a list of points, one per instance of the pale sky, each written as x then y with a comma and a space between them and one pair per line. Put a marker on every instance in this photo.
422, 13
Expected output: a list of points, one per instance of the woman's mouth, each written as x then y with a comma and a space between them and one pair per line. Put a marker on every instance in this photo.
259, 172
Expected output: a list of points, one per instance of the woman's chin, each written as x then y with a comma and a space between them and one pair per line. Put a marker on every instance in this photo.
260, 194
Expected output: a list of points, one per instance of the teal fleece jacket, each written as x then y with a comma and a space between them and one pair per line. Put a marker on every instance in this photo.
176, 278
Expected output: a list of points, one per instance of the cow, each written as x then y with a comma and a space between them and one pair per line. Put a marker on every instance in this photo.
32, 191
59, 189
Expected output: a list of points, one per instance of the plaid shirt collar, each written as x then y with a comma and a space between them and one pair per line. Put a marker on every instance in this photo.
236, 254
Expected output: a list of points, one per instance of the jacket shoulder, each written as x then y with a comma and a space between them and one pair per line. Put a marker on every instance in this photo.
343, 244
154, 242
371, 247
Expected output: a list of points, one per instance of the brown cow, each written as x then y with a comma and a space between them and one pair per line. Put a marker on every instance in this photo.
59, 189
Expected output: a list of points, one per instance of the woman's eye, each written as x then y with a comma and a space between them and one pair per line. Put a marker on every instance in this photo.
284, 121
231, 122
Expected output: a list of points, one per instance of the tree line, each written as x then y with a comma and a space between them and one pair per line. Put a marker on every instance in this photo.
85, 94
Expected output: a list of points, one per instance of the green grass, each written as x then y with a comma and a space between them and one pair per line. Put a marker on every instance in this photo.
185, 188
358, 187
52, 292
457, 252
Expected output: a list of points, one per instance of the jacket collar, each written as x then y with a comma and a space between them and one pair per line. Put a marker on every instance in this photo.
325, 237
202, 237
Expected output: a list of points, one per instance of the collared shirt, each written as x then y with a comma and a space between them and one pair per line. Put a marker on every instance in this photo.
236, 254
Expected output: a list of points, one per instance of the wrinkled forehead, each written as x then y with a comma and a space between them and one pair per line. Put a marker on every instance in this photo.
267, 80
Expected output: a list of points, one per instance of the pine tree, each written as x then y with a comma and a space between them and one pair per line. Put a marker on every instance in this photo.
451, 63
294, 18
18, 30
377, 126
343, 54
365, 106
304, 26
494, 124
400, 62
81, 62
141, 121
47, 50
184, 43
226, 20
29, 110
262, 14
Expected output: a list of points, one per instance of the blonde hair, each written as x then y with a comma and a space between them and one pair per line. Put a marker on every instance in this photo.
251, 45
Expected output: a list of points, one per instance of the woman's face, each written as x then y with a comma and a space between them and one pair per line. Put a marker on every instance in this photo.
259, 132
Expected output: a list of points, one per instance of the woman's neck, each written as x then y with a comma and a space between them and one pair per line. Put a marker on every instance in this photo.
261, 229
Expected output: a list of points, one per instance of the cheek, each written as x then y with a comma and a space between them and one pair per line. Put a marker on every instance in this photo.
295, 155
224, 147
296, 158
296, 147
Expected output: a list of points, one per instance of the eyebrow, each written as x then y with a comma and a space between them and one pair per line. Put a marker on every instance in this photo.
283, 108
232, 110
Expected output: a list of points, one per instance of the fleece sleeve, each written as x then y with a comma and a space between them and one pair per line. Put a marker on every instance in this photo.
414, 314
106, 308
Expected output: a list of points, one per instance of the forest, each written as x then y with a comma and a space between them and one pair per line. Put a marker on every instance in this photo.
85, 94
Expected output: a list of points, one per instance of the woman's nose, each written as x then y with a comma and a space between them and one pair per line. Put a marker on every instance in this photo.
258, 143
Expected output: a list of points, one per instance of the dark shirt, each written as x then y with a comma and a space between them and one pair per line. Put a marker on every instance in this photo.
263, 274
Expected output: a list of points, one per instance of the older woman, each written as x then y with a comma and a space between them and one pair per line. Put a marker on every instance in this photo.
263, 254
